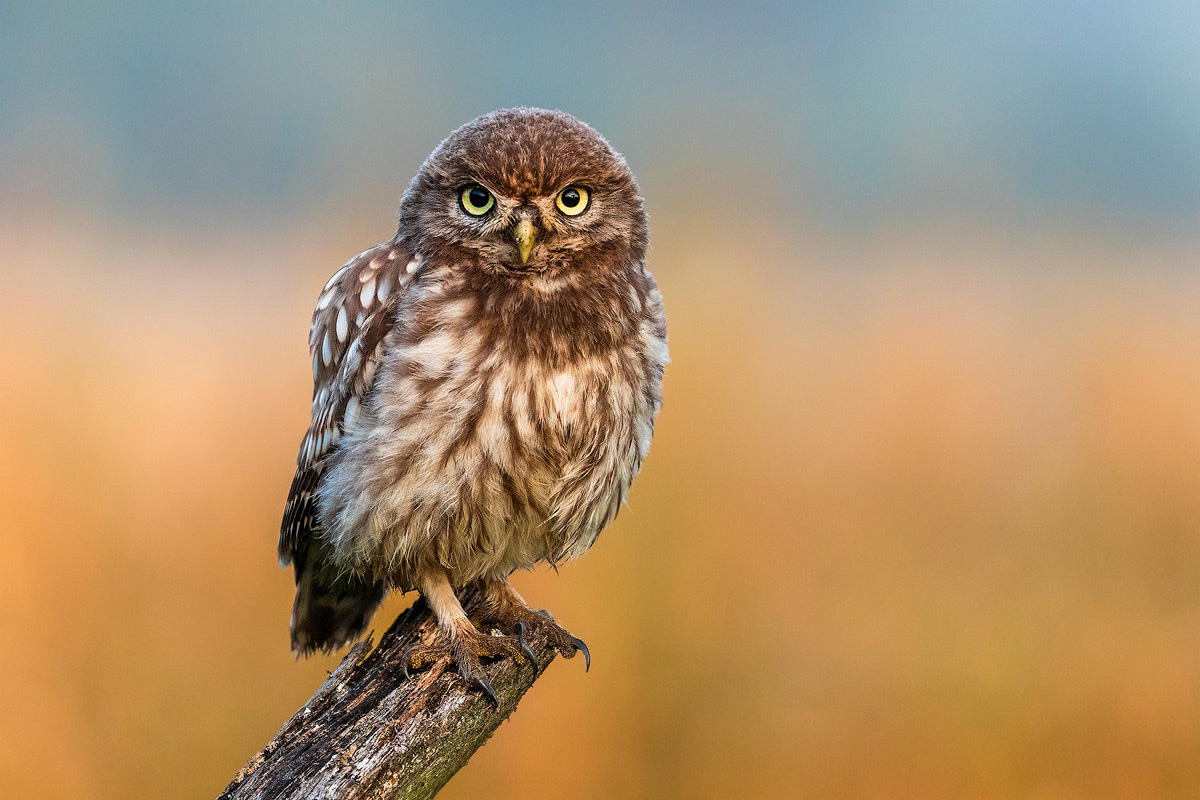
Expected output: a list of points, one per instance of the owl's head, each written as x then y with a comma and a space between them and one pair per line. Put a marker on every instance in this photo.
524, 192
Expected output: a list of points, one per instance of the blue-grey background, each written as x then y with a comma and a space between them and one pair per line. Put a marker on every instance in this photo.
864, 114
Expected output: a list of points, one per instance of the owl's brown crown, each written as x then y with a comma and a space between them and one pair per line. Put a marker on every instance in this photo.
528, 152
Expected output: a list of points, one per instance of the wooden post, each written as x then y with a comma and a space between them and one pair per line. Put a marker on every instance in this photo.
369, 733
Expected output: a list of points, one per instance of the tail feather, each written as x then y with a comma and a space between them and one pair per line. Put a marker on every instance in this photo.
331, 609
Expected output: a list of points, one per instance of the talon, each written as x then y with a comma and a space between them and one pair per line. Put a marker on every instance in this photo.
404, 660
525, 648
486, 687
587, 656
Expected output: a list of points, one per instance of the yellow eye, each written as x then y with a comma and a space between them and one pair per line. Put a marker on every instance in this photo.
476, 200
573, 200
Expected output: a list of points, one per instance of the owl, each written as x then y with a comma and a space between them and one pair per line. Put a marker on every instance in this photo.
485, 390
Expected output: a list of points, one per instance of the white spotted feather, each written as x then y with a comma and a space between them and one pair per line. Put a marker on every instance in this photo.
348, 327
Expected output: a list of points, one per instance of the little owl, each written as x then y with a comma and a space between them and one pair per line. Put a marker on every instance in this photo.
486, 385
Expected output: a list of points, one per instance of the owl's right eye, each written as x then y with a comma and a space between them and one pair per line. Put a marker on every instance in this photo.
476, 200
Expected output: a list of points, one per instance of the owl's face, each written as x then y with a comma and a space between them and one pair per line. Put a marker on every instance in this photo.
525, 194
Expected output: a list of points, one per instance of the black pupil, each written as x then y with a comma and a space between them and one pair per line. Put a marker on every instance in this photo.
570, 198
478, 197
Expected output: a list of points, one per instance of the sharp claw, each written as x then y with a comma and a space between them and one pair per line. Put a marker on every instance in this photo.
525, 648
587, 656
404, 661
486, 687
532, 656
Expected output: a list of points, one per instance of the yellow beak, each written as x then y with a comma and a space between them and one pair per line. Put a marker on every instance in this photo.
526, 237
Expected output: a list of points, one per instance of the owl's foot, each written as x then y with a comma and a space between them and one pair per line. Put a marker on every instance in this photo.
510, 615
465, 649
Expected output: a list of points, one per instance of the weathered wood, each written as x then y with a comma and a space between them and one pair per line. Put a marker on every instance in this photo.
369, 733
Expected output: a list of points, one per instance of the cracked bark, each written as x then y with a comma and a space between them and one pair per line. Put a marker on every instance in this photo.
369, 733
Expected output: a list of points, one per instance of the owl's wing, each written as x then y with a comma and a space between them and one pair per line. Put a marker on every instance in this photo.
356, 309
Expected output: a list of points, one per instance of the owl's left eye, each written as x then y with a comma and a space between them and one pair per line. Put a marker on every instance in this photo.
572, 200
476, 200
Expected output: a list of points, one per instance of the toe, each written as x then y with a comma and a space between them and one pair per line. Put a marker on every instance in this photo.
420, 656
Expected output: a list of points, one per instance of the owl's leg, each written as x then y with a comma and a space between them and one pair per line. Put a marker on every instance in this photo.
463, 644
508, 610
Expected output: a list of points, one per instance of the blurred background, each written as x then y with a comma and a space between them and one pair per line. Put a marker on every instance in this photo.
922, 516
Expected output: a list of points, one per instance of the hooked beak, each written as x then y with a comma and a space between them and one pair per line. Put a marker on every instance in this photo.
525, 236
